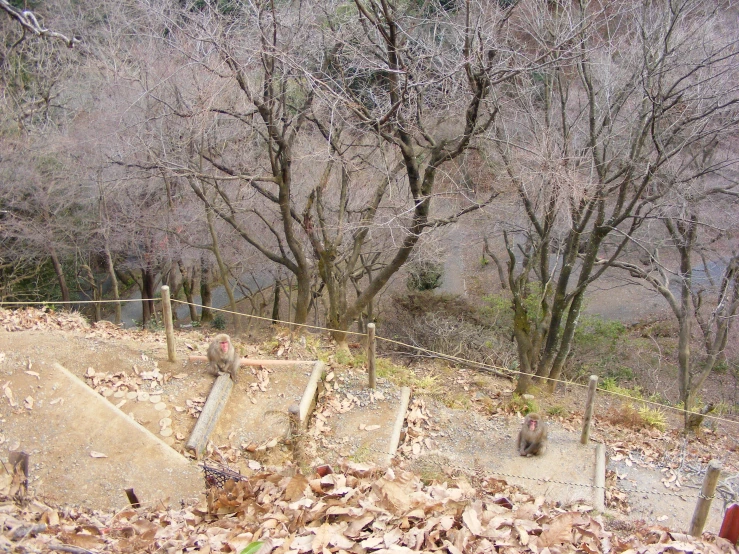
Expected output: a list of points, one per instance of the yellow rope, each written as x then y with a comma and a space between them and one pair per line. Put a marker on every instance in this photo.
471, 362
286, 323
54, 303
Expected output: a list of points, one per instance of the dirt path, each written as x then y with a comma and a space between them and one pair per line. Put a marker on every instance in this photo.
257, 411
649, 500
83, 450
140, 414
467, 441
354, 421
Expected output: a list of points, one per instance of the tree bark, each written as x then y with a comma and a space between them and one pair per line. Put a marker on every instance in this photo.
276, 303
147, 296
59, 270
188, 287
206, 295
236, 320
96, 291
113, 284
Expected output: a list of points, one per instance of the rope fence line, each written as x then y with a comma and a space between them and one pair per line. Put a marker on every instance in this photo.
63, 302
271, 320
481, 365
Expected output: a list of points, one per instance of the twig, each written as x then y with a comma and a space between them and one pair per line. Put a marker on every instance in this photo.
69, 548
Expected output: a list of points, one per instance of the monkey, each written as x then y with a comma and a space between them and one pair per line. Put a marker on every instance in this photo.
532, 438
222, 357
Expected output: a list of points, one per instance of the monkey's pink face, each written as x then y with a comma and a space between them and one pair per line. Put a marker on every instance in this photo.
224, 346
532, 425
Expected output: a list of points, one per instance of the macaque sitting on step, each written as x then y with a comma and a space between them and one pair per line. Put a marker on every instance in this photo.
532, 438
222, 357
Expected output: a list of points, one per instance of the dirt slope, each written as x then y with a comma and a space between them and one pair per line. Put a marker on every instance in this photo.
83, 451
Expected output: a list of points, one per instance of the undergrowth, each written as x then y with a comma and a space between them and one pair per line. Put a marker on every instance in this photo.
643, 417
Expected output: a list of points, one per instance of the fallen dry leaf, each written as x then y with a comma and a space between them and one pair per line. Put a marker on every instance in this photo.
9, 396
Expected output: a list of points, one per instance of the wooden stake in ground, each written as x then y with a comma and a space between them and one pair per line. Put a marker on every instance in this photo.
212, 409
704, 499
371, 348
600, 477
132, 498
585, 436
168, 327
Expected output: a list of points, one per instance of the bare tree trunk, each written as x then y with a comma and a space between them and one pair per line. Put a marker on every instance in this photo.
290, 300
693, 421
522, 336
188, 286
222, 269
113, 283
147, 296
206, 296
59, 270
96, 291
302, 300
276, 303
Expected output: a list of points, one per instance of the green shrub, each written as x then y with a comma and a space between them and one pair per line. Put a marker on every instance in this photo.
424, 275
596, 332
610, 384
556, 411
653, 417
219, 322
523, 405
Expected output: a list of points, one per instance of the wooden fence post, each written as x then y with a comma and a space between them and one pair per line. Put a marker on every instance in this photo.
710, 479
585, 436
168, 327
371, 349
293, 413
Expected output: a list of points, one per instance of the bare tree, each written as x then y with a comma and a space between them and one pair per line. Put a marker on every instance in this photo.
40, 209
587, 141
699, 219
29, 24
396, 94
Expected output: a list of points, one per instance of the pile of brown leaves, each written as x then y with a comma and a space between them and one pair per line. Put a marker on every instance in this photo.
416, 437
359, 509
41, 319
